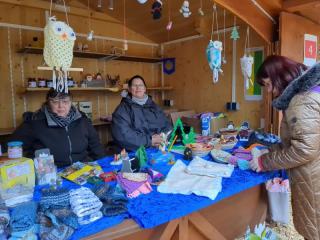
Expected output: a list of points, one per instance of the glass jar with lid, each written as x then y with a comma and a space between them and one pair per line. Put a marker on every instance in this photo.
15, 149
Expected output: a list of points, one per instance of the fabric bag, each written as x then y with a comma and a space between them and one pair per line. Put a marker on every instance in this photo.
279, 199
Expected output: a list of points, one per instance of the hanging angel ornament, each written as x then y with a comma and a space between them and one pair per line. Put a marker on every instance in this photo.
59, 40
246, 63
213, 51
185, 10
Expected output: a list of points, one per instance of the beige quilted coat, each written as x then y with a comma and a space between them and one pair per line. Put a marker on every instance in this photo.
300, 150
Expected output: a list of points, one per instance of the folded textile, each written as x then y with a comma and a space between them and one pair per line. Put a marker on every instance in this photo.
55, 198
243, 154
23, 217
130, 186
113, 210
84, 202
199, 166
90, 218
29, 234
66, 216
60, 232
136, 177
179, 181
4, 216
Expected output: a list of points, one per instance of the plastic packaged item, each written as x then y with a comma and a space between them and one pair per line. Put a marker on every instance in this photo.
15, 149
205, 125
0, 150
46, 171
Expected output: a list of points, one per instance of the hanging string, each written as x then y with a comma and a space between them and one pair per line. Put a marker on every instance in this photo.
247, 41
224, 34
65, 10
89, 15
124, 21
215, 19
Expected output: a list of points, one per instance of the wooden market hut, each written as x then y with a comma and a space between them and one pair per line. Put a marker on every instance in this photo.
276, 27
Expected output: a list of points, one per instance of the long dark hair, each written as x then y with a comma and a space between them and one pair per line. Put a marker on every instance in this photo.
281, 71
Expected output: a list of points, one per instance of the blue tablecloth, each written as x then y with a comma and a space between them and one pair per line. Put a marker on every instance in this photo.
157, 208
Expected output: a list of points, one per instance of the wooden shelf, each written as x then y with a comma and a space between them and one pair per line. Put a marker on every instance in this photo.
164, 88
96, 55
74, 89
8, 131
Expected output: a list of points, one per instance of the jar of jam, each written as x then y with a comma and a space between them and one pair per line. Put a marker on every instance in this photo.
15, 149
70, 82
49, 83
32, 83
41, 82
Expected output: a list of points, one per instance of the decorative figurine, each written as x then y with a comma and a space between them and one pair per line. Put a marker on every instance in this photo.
185, 9
187, 154
156, 9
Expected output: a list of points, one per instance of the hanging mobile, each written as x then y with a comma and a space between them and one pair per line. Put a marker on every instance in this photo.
90, 34
214, 48
246, 62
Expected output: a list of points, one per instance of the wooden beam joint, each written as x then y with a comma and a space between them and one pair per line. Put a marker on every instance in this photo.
298, 5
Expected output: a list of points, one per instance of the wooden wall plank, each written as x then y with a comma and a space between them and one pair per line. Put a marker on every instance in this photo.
192, 81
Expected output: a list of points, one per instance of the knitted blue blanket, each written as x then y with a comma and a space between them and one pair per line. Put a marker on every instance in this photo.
159, 208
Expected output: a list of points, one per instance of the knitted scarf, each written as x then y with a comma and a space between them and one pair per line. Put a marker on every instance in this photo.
62, 121
140, 101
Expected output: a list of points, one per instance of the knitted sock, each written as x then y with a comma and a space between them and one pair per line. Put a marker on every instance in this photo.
113, 210
100, 190
55, 198
66, 216
23, 217
90, 218
61, 232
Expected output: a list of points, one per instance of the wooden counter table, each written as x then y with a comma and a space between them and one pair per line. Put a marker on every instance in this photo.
226, 219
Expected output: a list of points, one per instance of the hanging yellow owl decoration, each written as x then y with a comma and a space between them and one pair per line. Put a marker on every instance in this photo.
59, 40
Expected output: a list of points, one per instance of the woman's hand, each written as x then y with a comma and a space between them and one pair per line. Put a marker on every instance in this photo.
156, 140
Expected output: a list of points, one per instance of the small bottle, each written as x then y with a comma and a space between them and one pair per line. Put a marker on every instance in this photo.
15, 149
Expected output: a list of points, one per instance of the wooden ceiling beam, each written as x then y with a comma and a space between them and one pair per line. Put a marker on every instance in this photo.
73, 10
250, 14
298, 5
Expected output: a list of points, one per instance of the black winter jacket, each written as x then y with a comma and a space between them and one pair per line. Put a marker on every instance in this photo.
77, 142
133, 125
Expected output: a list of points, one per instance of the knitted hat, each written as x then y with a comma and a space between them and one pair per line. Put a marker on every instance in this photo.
66, 216
113, 210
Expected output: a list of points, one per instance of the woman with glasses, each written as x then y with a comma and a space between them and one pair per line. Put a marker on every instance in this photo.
59, 126
138, 120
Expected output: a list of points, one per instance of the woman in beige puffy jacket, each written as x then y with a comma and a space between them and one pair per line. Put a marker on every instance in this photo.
296, 93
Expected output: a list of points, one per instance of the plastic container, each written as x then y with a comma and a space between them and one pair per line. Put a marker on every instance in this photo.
32, 83
15, 149
42, 83
49, 83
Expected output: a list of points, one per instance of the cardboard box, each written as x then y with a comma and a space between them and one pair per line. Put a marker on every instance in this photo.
215, 124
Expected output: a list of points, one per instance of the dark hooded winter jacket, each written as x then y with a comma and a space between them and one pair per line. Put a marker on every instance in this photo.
133, 125
300, 150
76, 142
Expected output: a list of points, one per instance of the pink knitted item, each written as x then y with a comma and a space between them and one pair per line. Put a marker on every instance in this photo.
143, 189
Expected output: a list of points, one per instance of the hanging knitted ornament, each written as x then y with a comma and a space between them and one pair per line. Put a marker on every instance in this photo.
185, 9
59, 40
156, 9
246, 63
213, 51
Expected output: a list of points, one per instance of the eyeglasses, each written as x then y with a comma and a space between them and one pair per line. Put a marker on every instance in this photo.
138, 86
61, 101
